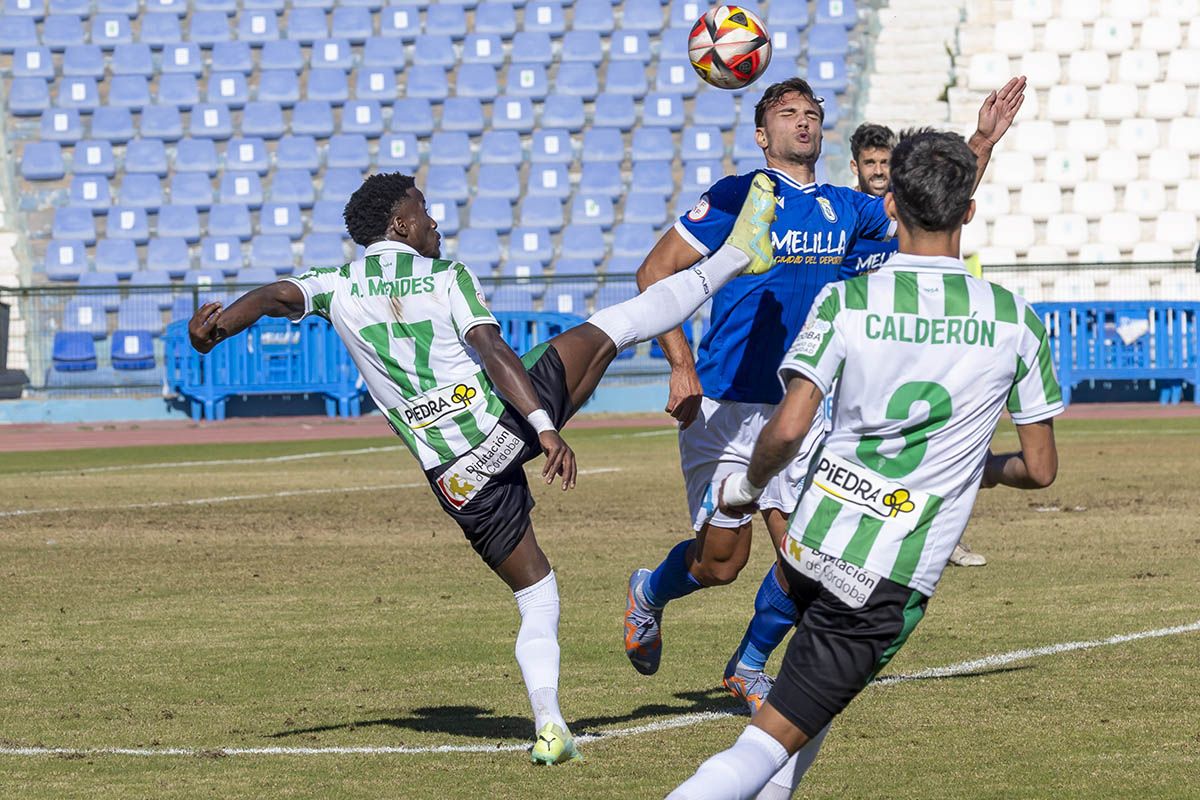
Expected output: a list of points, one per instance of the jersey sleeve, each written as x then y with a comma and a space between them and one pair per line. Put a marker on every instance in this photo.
467, 307
1035, 394
710, 221
317, 285
820, 348
873, 222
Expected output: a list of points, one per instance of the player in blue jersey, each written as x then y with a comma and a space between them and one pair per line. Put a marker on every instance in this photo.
724, 397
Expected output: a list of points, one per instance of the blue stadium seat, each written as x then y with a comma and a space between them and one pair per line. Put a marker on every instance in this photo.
632, 240
178, 221
146, 156
496, 18
247, 154
837, 12
74, 224
375, 84
612, 292
331, 54
426, 81
483, 48
354, 24
260, 276
828, 40
58, 31
399, 22
312, 118
364, 117
450, 147
701, 142
541, 212
107, 300
161, 122
381, 53
116, 257
584, 242
434, 50
42, 161
326, 217
110, 30
477, 81
398, 152
529, 245
28, 97
616, 111
292, 186
571, 266
530, 48
577, 79
833, 112
284, 54
220, 254
412, 115
323, 249
136, 314
159, 29
243, 188
676, 77
182, 59
90, 191
257, 27
545, 16
125, 222
446, 20
132, 349
563, 111
24, 8
786, 43
229, 88
206, 28
592, 210
113, 124
263, 119
83, 61
548, 180
698, 176
645, 206
339, 184
348, 150
600, 178
630, 45
80, 93
93, 157
233, 57
479, 249
462, 114
65, 260
177, 7
500, 147
512, 113
60, 125
74, 351
180, 89
226, 7
582, 47
653, 144
448, 182
445, 214
269, 252
663, 110
509, 297
827, 73
568, 298
297, 152
280, 86
196, 155
168, 255
592, 15
306, 25
655, 177
714, 108
232, 219
498, 180
626, 77
18, 31
275, 6
604, 145
32, 62
744, 144
491, 212
152, 277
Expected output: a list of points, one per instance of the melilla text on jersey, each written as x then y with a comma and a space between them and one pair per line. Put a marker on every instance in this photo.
809, 247
920, 330
401, 287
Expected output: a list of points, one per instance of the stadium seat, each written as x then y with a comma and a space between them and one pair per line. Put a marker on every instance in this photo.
584, 242
233, 57
1094, 199
206, 28
331, 54
462, 114
1183, 66
86, 314
548, 180
446, 215
218, 255
450, 147
399, 151
483, 48
1112, 35
496, 18
498, 180
339, 184
1012, 37
398, 22
79, 93
492, 213
1165, 101
632, 240
90, 191
292, 186
270, 254
1065, 168
60, 125
567, 298
116, 257
28, 97
323, 249
613, 292
83, 61
1067, 102
446, 20
282, 219
1063, 36
141, 190
1139, 136
161, 122
512, 113
375, 84
592, 15
991, 200
326, 217
654, 177
412, 115
653, 144
349, 150
537, 211
93, 157
182, 58
32, 62
837, 12
530, 49
702, 143
74, 351
247, 155
193, 188
448, 182
168, 256
1074, 287
509, 297
280, 86
126, 222
232, 219
598, 177
1147, 199
307, 25
282, 55
828, 73
146, 156
312, 118
133, 349
297, 153
592, 210
59, 31
73, 224
1188, 196
1089, 137
113, 124
354, 24
327, 85
529, 245
663, 110
65, 260
179, 222
1069, 231
832, 40
263, 120
19, 31
527, 80
626, 78
698, 176
647, 207
42, 161
110, 30
1015, 231
108, 299
159, 30
563, 111
1177, 229
715, 109
1139, 67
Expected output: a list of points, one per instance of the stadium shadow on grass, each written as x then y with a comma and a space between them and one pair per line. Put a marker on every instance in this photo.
478, 722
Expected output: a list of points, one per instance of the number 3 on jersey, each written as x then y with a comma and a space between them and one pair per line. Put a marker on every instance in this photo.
915, 436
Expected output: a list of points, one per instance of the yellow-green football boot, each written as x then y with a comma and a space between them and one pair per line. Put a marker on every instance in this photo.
554, 746
752, 229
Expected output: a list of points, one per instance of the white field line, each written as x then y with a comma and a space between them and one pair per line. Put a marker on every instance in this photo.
235, 498
680, 721
219, 462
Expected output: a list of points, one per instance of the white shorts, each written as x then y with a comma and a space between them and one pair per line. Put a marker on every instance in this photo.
720, 442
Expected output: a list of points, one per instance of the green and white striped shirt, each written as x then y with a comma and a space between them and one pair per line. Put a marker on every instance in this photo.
926, 358
403, 317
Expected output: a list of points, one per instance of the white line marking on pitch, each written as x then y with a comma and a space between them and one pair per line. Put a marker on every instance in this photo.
680, 721
234, 498
224, 462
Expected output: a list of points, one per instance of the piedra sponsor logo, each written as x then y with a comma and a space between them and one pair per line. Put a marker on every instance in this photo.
438, 404
860, 487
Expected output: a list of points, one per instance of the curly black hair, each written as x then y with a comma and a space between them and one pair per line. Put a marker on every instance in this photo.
933, 178
871, 136
373, 204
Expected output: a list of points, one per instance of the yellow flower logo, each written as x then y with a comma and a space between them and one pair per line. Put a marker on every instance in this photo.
463, 394
898, 502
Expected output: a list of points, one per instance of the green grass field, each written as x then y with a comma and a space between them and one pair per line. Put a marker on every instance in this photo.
302, 616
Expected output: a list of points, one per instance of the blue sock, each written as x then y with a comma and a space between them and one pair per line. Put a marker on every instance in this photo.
671, 578
774, 615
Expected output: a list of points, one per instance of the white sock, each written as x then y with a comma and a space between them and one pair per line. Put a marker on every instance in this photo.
737, 773
785, 781
537, 649
671, 301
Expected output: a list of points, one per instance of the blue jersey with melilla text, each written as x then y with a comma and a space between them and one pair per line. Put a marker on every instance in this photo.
866, 255
755, 318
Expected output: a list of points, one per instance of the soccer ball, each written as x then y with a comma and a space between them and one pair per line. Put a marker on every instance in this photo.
729, 47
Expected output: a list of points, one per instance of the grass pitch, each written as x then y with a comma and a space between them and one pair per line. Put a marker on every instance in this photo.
301, 615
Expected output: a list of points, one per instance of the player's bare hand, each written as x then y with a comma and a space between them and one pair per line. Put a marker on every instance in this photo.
560, 459
202, 329
735, 496
684, 396
999, 110
992, 467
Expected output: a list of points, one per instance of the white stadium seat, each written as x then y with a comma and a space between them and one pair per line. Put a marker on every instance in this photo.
991, 200
1099, 253
1187, 198
988, 70
1040, 200
1033, 10
1013, 36
1088, 68
1152, 251
1160, 34
1178, 229
1112, 35
1116, 101
1065, 168
1035, 137
1063, 36
1193, 37
1128, 285
1179, 9
1087, 136
1082, 10
1069, 231
1138, 136
1074, 286
1015, 231
1094, 199
1066, 102
1134, 10
1147, 199
1165, 101
1168, 167
1011, 168
1046, 254
1117, 166
1026, 284
1139, 67
1120, 228
995, 254
1183, 66
974, 235
1184, 134
1043, 70
1180, 285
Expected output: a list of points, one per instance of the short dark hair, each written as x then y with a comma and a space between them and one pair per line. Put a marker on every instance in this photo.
933, 177
871, 136
373, 204
773, 96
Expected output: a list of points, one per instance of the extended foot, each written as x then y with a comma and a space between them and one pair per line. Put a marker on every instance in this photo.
643, 627
554, 746
752, 229
964, 556
751, 686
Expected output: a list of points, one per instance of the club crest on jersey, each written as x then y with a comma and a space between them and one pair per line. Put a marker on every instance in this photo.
827, 209
862, 488
700, 210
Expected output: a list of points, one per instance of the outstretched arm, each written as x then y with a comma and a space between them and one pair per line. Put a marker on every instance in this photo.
508, 375
1034, 467
996, 115
212, 323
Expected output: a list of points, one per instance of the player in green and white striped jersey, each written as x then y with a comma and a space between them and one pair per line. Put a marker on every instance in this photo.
471, 411
926, 358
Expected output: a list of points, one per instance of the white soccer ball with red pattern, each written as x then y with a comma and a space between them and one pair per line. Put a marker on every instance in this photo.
729, 47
